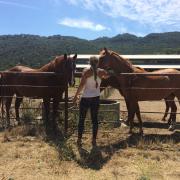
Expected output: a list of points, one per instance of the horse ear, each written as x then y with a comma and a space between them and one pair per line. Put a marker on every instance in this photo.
75, 56
105, 49
65, 56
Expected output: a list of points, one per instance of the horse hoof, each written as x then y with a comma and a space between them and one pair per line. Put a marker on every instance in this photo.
169, 122
126, 123
10, 128
19, 123
130, 132
79, 143
141, 133
172, 127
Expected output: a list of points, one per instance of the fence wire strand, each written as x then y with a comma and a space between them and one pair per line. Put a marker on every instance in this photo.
74, 107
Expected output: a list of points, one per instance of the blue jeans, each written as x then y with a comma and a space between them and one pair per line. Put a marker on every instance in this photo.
85, 104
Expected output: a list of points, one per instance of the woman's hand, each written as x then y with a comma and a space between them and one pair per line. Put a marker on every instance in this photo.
75, 99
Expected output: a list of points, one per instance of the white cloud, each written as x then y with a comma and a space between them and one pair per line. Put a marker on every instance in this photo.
9, 3
150, 12
82, 24
88, 4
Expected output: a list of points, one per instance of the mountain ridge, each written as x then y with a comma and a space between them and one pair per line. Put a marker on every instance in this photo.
36, 50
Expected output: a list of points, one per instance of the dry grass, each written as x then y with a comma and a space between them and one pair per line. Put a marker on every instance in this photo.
25, 154
118, 156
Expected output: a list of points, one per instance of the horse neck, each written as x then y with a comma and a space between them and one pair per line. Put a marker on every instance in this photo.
122, 65
46, 68
53, 66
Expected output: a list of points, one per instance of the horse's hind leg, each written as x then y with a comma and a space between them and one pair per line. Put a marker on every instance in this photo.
173, 116
17, 105
172, 105
172, 119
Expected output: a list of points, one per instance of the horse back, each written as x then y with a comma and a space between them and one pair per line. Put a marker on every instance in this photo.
21, 69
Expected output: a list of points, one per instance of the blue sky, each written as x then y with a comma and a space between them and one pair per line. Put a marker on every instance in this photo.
89, 19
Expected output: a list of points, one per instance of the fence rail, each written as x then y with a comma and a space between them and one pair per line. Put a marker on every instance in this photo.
79, 75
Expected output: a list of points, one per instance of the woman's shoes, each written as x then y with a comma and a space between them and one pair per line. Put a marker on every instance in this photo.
79, 142
94, 143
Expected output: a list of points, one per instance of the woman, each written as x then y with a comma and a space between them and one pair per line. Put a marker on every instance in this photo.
90, 81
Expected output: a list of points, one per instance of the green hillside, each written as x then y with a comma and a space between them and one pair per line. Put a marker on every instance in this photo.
35, 51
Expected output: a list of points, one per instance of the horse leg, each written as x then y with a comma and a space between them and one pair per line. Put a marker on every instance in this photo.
8, 106
138, 114
55, 115
176, 94
17, 105
131, 113
2, 100
166, 110
172, 119
127, 122
46, 102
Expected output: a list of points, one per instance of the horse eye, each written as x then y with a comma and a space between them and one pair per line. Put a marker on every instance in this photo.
105, 59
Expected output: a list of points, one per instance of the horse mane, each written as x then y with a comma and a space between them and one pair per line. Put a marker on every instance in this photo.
50, 67
123, 60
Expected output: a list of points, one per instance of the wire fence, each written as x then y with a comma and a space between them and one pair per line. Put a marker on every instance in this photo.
73, 110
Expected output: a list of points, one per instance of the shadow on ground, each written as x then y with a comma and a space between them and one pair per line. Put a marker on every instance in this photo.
95, 160
159, 125
97, 157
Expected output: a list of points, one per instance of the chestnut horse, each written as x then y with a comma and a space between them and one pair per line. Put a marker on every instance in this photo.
136, 88
48, 82
169, 101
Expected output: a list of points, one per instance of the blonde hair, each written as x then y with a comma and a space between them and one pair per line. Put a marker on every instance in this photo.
94, 63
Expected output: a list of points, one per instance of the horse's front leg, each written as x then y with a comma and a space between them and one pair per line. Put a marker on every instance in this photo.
166, 110
46, 102
132, 109
127, 122
17, 105
138, 114
131, 115
8, 106
56, 101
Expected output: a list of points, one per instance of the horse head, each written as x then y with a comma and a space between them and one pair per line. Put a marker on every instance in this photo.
70, 66
112, 60
66, 66
105, 59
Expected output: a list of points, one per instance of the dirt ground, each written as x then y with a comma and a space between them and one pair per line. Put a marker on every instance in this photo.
156, 155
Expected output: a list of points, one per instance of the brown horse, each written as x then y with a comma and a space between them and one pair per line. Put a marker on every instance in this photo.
48, 82
136, 88
169, 101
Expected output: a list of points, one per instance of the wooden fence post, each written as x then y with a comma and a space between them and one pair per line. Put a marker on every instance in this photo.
66, 108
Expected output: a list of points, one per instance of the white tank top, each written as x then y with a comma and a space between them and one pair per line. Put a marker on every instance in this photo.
90, 89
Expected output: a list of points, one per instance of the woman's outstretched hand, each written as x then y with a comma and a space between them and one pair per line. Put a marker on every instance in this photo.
75, 100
